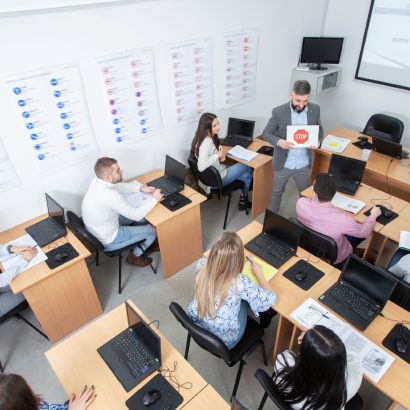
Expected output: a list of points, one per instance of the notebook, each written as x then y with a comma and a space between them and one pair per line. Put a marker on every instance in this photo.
50, 229
360, 293
133, 354
346, 172
240, 132
278, 241
267, 270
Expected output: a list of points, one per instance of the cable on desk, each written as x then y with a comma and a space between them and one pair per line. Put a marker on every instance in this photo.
389, 206
170, 374
156, 320
401, 322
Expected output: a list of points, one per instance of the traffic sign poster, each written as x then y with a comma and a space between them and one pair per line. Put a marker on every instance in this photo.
303, 136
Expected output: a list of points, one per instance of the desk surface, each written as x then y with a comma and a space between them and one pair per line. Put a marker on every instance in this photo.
402, 223
396, 381
371, 196
76, 362
207, 399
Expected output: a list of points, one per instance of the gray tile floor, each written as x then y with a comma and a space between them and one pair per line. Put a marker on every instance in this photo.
22, 349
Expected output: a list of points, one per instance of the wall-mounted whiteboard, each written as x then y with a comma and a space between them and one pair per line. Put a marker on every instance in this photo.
385, 53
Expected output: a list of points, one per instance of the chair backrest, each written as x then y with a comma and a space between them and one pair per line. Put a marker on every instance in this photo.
207, 340
76, 223
271, 390
384, 126
318, 244
210, 176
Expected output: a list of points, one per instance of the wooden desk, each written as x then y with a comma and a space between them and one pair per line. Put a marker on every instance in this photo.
262, 177
179, 232
62, 299
207, 399
380, 169
76, 362
396, 381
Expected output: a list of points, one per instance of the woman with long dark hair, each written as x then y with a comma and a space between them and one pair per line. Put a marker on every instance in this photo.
208, 151
321, 376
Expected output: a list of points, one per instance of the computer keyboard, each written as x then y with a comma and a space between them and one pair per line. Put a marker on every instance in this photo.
45, 231
272, 246
354, 301
133, 353
344, 182
232, 141
167, 186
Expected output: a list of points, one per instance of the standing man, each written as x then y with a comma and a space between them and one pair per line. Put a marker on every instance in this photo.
108, 216
288, 161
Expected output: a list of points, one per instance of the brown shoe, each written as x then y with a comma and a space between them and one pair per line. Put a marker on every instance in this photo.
154, 247
140, 261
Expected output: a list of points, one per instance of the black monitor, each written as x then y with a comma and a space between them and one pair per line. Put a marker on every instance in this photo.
238, 126
56, 212
321, 50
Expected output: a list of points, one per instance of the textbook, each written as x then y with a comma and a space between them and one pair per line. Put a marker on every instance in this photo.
26, 240
268, 270
335, 144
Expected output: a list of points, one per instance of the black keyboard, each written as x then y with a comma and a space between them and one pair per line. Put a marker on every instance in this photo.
233, 141
344, 182
354, 301
272, 246
132, 352
167, 186
44, 231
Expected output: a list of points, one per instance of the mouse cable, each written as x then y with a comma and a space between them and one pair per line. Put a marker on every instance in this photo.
170, 374
388, 190
156, 320
401, 322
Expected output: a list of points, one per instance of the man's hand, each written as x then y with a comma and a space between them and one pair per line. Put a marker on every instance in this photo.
285, 144
28, 254
85, 398
157, 195
147, 189
376, 211
21, 249
313, 147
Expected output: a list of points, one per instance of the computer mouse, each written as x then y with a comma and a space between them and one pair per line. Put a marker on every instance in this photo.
300, 276
363, 143
387, 213
401, 345
59, 257
151, 397
173, 202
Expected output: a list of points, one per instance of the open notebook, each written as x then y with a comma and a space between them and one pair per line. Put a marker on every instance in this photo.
268, 270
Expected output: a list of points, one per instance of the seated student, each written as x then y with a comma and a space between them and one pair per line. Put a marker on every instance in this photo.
8, 300
207, 149
16, 394
319, 214
108, 216
399, 266
223, 294
322, 375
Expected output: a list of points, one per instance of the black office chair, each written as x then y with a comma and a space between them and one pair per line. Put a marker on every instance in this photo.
251, 339
15, 312
385, 127
212, 178
318, 244
77, 225
355, 403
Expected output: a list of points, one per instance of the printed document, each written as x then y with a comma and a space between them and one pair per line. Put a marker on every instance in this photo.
242, 153
348, 204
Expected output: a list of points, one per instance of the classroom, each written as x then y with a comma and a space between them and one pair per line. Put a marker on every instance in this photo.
70, 82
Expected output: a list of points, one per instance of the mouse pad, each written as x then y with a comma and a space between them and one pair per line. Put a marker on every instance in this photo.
312, 274
382, 219
402, 332
368, 145
66, 248
179, 198
170, 399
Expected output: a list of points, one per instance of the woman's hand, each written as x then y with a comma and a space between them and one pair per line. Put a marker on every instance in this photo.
85, 398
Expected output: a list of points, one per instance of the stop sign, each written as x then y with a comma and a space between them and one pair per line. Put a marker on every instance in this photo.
300, 136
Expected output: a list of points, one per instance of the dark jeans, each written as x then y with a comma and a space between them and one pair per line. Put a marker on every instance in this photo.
355, 242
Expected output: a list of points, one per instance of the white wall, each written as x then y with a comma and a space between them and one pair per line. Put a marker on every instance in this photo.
29, 41
355, 101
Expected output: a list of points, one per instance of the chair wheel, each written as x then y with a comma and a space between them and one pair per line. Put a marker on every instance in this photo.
247, 211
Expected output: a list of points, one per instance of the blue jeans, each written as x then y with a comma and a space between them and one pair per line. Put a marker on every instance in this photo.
396, 257
238, 171
243, 318
130, 234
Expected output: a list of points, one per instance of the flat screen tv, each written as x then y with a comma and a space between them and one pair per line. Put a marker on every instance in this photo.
321, 50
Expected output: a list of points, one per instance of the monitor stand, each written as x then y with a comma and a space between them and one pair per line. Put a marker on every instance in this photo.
318, 67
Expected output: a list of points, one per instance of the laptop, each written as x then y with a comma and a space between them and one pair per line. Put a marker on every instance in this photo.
360, 293
133, 354
50, 229
278, 241
240, 132
346, 172
173, 180
390, 148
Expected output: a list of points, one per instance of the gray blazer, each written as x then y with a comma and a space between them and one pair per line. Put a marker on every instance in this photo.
276, 128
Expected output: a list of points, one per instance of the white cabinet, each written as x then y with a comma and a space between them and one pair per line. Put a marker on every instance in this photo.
320, 80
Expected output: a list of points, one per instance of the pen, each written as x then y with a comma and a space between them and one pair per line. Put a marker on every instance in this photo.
249, 259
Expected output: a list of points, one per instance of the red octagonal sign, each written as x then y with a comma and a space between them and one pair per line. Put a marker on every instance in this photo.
300, 136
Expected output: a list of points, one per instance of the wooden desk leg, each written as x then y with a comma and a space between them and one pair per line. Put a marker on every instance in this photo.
180, 240
284, 334
262, 188
392, 405
374, 249
64, 301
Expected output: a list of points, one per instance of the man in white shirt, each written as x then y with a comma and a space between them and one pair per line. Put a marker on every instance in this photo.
108, 216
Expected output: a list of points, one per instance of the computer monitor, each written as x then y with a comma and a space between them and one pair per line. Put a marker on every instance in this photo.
56, 212
237, 126
321, 50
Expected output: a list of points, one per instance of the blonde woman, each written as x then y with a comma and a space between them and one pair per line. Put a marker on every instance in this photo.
223, 294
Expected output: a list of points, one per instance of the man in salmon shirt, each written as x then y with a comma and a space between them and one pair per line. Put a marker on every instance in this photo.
319, 214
